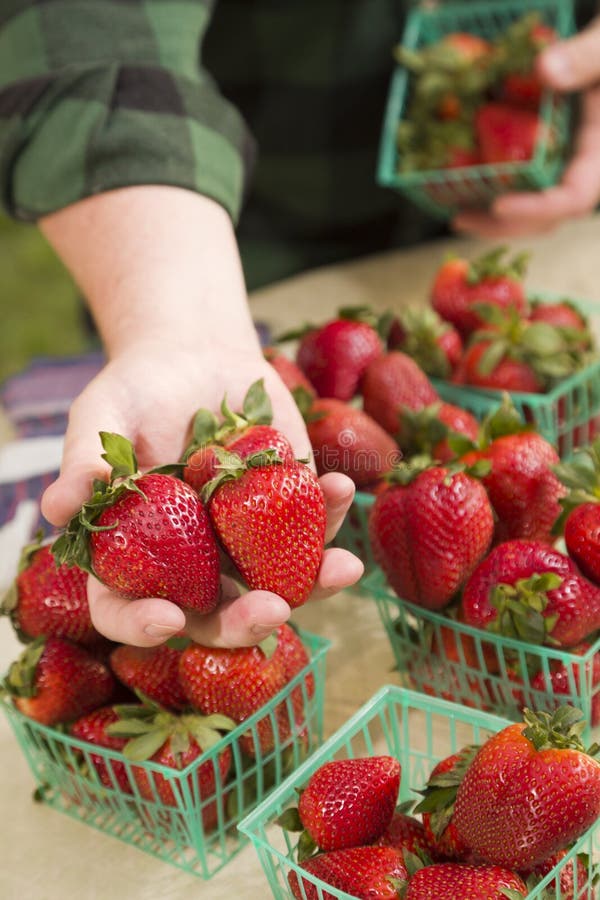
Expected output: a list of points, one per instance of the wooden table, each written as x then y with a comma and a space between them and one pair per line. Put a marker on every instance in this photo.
48, 856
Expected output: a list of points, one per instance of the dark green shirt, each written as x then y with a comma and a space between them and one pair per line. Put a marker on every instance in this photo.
271, 107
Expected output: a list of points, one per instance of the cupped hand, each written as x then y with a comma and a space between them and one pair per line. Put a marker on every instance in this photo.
567, 66
150, 394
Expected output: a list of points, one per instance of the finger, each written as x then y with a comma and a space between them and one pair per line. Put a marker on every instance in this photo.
339, 493
340, 569
574, 63
239, 621
142, 623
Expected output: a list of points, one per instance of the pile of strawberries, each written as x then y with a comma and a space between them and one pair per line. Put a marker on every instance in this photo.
154, 535
474, 101
494, 819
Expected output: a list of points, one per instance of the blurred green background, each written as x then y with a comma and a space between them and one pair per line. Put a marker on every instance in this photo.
42, 314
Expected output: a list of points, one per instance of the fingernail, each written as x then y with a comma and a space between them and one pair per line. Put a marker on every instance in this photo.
557, 63
263, 631
160, 631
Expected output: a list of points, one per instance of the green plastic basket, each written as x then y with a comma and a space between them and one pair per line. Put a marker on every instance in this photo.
481, 674
441, 192
418, 731
65, 771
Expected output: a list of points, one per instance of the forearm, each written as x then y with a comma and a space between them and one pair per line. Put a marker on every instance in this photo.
155, 263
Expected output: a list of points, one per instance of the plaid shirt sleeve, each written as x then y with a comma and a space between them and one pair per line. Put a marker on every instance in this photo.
101, 94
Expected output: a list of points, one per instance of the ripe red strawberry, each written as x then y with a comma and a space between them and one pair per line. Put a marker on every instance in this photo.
582, 538
521, 484
294, 658
365, 872
515, 56
530, 790
579, 520
346, 439
405, 833
460, 284
428, 430
350, 802
480, 367
46, 599
270, 518
55, 681
237, 683
434, 344
507, 133
92, 728
563, 679
445, 843
563, 314
154, 671
449, 881
429, 531
394, 382
144, 535
290, 373
176, 741
244, 433
469, 47
335, 356
529, 590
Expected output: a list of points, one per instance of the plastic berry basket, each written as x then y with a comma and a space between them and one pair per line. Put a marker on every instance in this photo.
418, 731
481, 672
198, 834
442, 191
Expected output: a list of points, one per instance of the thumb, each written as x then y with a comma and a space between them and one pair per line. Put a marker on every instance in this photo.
574, 63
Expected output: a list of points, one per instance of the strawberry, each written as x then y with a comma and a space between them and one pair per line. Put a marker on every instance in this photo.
459, 285
481, 368
445, 843
405, 833
564, 679
449, 881
363, 872
346, 439
428, 430
55, 681
294, 658
529, 590
514, 59
51, 600
434, 344
92, 728
290, 373
347, 803
243, 433
530, 791
334, 356
144, 535
428, 531
563, 314
394, 382
175, 742
521, 484
270, 518
507, 133
239, 682
579, 520
153, 671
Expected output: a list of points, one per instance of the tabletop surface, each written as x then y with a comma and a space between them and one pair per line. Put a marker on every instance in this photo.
48, 856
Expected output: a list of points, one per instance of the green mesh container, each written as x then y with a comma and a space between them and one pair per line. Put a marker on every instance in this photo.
199, 833
444, 658
441, 192
418, 731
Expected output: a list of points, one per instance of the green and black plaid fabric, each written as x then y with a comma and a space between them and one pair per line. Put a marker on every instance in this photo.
98, 94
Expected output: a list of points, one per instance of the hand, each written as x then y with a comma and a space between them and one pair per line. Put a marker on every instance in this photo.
570, 65
144, 396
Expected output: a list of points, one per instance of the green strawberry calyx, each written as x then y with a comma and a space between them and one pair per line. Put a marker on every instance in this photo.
21, 675
492, 265
559, 730
581, 475
522, 608
231, 467
422, 330
290, 820
206, 428
439, 794
148, 726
